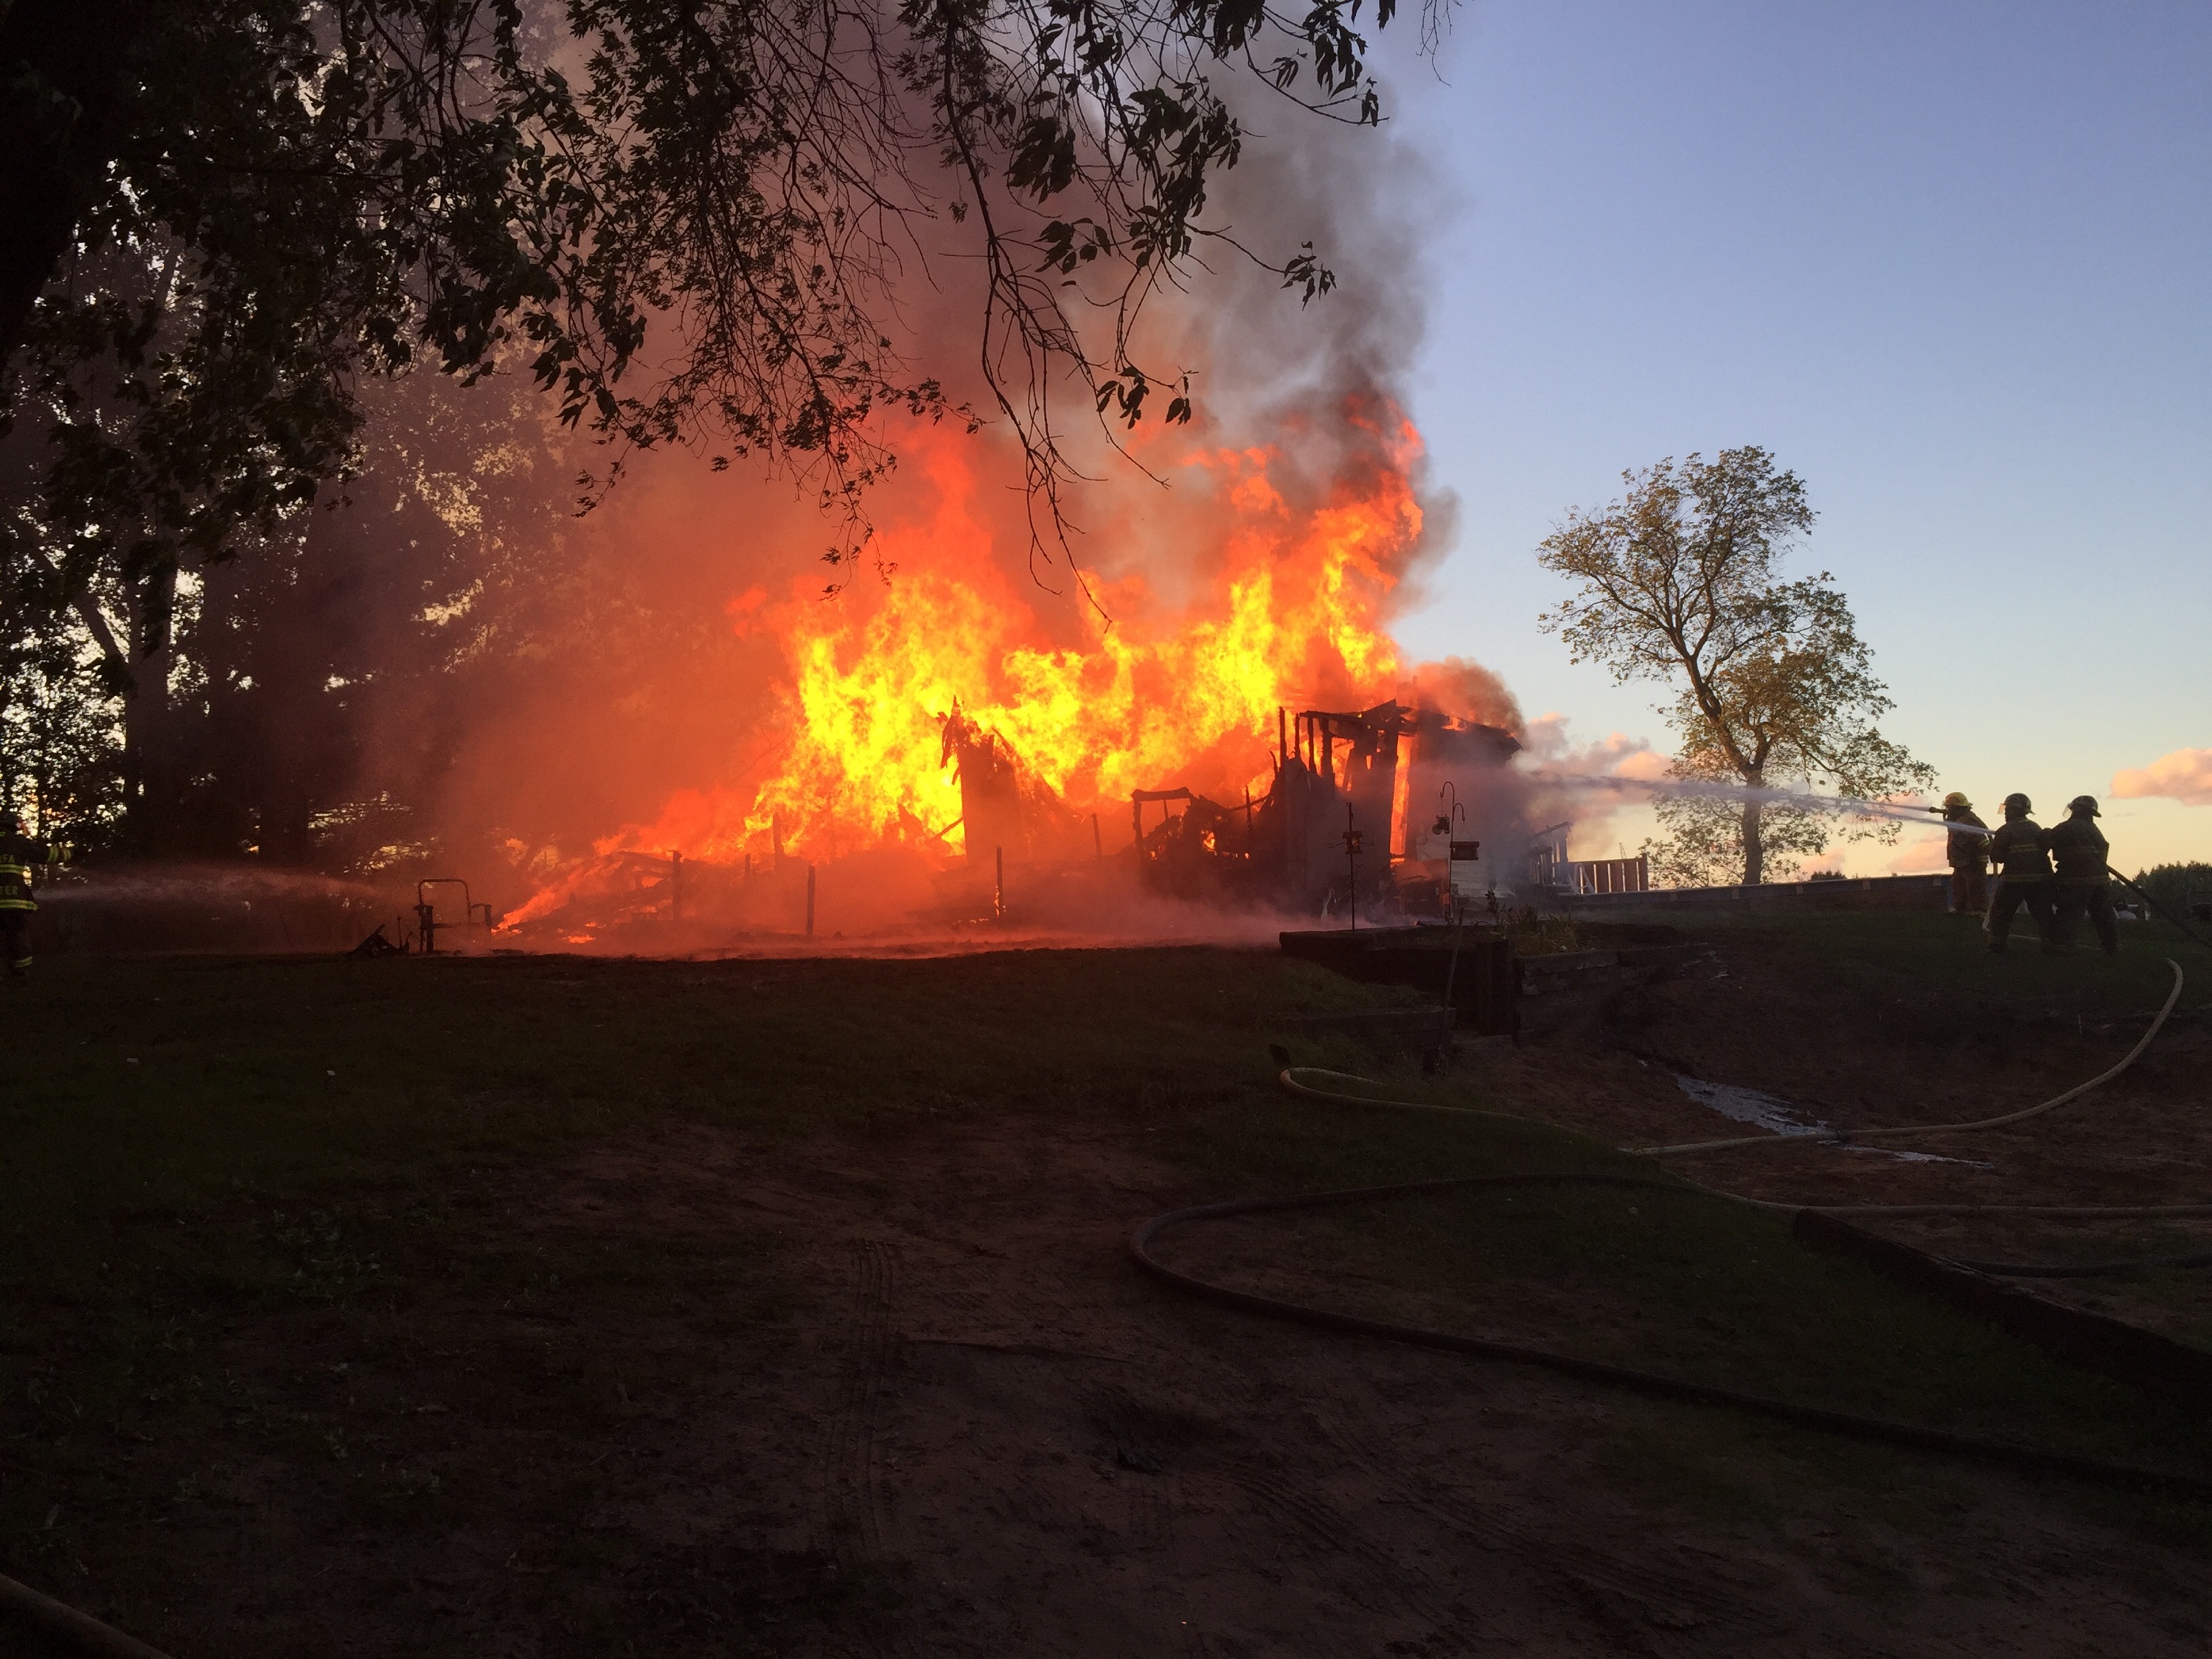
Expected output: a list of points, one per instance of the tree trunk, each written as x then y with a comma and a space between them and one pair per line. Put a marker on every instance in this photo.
9, 785
63, 68
151, 786
1754, 851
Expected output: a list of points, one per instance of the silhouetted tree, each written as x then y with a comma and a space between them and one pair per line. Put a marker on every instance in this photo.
688, 222
247, 729
1679, 582
690, 219
59, 734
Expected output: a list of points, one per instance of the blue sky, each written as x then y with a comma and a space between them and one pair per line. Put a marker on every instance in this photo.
1950, 262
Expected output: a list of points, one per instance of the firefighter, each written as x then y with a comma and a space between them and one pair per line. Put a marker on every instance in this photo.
2083, 881
1969, 858
2023, 874
17, 855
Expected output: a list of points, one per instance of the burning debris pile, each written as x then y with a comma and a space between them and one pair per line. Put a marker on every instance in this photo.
1335, 829
943, 753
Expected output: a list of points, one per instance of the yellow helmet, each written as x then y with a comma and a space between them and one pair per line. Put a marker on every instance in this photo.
1958, 798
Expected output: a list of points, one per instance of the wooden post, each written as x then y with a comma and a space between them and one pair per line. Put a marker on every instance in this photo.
1097, 840
999, 880
810, 900
1282, 732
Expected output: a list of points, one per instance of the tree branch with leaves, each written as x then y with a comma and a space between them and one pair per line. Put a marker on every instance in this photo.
691, 220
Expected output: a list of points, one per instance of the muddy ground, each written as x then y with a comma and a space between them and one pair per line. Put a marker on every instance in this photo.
1879, 1050
894, 1388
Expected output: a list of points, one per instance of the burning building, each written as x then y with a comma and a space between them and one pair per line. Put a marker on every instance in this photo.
955, 736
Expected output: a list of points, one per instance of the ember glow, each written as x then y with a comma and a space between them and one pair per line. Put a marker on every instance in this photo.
1293, 608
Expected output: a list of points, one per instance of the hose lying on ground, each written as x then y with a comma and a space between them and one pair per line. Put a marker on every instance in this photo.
1652, 1382
2195, 938
80, 1631
2087, 1269
1290, 1080
1641, 1382
1916, 1131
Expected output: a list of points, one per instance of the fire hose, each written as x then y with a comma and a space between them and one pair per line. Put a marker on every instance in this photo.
1914, 1131
79, 1630
2153, 904
2005, 1452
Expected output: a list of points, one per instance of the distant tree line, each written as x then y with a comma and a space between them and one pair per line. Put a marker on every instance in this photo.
2174, 885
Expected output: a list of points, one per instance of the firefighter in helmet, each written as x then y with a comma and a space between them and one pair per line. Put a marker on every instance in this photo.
2082, 882
18, 853
2023, 873
1967, 852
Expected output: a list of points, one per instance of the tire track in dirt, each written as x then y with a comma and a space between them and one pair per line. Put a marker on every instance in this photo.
1393, 1591
1076, 1399
1154, 1500
1640, 1608
851, 1496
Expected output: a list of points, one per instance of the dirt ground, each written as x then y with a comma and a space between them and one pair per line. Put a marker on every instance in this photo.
1771, 1021
983, 1432
895, 1389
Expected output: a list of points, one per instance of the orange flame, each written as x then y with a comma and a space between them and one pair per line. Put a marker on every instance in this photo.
1295, 611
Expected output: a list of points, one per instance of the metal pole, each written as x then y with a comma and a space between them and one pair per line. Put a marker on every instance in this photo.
1282, 732
1351, 863
1097, 840
810, 900
1451, 971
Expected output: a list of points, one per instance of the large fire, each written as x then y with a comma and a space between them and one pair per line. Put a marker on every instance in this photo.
1294, 608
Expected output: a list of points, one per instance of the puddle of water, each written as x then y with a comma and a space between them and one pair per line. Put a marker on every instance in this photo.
1778, 1116
1916, 1158
1749, 1106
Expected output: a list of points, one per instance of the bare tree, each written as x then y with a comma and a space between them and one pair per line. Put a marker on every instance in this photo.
1680, 582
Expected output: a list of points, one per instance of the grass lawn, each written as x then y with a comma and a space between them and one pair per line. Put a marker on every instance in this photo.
210, 1158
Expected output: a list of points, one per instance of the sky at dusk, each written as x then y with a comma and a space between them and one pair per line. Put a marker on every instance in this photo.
1948, 262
